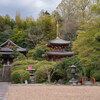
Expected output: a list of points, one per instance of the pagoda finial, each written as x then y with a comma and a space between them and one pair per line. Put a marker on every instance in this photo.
57, 31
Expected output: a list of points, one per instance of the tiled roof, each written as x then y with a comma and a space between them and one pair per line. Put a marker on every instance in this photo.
8, 49
59, 53
59, 41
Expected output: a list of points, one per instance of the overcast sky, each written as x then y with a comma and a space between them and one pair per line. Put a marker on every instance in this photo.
27, 7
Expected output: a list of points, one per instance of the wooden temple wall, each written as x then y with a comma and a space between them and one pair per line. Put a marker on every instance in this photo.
56, 59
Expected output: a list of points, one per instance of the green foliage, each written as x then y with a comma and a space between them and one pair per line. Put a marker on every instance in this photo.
98, 38
43, 45
21, 57
48, 28
2, 24
37, 52
15, 77
40, 76
96, 62
86, 43
19, 76
27, 32
63, 68
87, 70
18, 20
30, 53
18, 70
45, 71
23, 64
33, 35
18, 36
17, 55
96, 75
37, 55
5, 35
1, 66
47, 23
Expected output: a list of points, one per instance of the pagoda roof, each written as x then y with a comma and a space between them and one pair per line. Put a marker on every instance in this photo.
60, 53
5, 47
59, 41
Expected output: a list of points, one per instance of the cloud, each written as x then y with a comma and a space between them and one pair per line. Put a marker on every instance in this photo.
27, 7
40, 3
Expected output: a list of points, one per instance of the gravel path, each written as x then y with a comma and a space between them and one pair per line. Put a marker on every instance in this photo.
3, 90
52, 92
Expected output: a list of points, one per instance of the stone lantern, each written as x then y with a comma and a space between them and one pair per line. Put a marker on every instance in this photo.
31, 71
73, 70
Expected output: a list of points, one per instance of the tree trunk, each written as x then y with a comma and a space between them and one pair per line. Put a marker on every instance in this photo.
49, 78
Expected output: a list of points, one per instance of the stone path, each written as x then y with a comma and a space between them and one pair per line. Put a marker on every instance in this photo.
3, 90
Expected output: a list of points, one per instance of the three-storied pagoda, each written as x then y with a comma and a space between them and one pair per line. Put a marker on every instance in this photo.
58, 49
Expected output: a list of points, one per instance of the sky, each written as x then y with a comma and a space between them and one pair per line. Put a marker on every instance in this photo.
27, 7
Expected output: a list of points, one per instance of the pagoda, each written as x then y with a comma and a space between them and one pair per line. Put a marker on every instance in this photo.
58, 49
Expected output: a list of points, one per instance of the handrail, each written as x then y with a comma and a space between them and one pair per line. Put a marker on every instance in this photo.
92, 80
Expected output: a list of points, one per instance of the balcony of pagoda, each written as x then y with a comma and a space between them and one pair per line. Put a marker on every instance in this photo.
57, 49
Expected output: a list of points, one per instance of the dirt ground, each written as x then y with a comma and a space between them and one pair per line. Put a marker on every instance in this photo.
53, 92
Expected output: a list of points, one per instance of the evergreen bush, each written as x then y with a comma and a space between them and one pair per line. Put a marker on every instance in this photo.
96, 75
19, 76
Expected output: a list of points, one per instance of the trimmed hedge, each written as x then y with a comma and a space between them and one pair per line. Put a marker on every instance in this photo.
19, 76
19, 73
23, 64
18, 70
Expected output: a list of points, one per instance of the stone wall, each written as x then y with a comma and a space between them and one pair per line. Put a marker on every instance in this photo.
5, 74
0, 74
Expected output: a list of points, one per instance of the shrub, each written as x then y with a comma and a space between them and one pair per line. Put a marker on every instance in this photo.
87, 71
21, 57
18, 70
30, 52
40, 76
17, 55
63, 67
19, 76
1, 66
96, 75
22, 64
45, 71
37, 55
15, 77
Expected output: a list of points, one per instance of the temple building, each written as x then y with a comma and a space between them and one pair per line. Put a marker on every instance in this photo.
6, 51
58, 49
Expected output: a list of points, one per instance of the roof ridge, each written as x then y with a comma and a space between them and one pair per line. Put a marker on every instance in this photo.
8, 40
